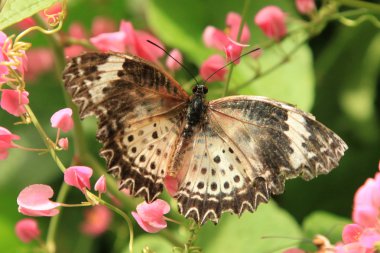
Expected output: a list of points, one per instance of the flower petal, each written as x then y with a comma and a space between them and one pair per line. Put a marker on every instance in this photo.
145, 225
78, 176
62, 120
13, 101
271, 20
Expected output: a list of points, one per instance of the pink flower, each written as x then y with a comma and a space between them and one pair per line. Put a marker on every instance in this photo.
136, 42
305, 6
63, 143
34, 201
351, 233
96, 220
102, 25
150, 217
271, 20
367, 203
26, 23
55, 9
212, 64
27, 230
109, 41
62, 120
6, 138
130, 40
294, 250
45, 59
78, 176
171, 185
233, 51
14, 101
172, 64
233, 22
76, 31
213, 37
100, 185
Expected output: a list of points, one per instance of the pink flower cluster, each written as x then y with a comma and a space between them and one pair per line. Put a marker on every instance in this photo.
34, 200
18, 63
364, 234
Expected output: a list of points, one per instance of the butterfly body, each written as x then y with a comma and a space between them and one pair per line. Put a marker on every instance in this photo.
226, 155
196, 110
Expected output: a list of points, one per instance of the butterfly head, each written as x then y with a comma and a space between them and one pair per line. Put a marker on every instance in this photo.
200, 89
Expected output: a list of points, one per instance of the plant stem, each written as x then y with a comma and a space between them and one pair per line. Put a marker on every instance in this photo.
45, 138
244, 14
126, 218
360, 4
273, 67
53, 225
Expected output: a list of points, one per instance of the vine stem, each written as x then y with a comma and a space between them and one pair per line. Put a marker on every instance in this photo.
360, 4
53, 225
244, 14
49, 144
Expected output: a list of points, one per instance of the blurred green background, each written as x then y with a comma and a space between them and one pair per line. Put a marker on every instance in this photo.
335, 76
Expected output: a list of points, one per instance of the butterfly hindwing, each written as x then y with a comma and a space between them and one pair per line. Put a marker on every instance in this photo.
215, 177
140, 111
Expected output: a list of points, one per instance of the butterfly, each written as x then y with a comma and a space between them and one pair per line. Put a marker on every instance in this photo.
226, 155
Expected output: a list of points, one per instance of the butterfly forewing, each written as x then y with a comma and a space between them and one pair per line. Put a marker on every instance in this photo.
140, 113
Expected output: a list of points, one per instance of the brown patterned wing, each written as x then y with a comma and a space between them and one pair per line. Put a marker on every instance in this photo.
245, 150
140, 112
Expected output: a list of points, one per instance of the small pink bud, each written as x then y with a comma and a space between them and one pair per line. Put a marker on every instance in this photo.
271, 20
172, 64
78, 176
6, 138
100, 185
14, 101
150, 216
34, 201
96, 220
63, 143
62, 120
305, 6
212, 64
27, 230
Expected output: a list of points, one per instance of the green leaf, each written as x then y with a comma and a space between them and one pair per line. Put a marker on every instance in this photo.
17, 10
180, 24
325, 223
155, 243
245, 234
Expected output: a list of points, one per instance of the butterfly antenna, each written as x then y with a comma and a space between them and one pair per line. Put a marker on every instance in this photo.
167, 53
251, 51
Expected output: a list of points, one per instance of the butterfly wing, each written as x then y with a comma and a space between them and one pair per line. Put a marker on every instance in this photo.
140, 112
245, 150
